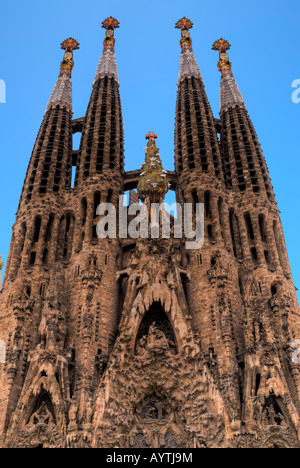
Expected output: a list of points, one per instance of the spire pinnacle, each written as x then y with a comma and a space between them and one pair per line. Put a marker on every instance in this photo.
62, 92
110, 24
151, 136
230, 93
108, 64
224, 65
185, 24
153, 184
188, 63
67, 64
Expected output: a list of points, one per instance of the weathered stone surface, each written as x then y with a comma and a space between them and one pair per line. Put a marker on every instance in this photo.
142, 343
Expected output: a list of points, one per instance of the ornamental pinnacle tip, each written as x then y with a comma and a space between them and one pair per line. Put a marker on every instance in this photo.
151, 136
230, 94
185, 25
67, 65
224, 65
110, 24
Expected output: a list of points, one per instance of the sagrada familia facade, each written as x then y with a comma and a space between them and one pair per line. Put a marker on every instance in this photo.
121, 342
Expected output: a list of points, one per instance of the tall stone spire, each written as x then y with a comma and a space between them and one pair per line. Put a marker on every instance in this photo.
188, 63
62, 92
230, 93
243, 161
196, 140
102, 146
108, 64
49, 168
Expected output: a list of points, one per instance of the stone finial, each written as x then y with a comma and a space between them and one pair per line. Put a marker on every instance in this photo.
110, 24
67, 64
188, 63
151, 136
230, 93
224, 65
108, 64
185, 25
62, 92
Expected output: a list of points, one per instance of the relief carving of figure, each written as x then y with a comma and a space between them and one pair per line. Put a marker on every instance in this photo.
72, 416
157, 340
141, 346
52, 328
250, 286
42, 416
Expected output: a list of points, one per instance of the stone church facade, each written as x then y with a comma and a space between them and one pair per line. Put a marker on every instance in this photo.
121, 342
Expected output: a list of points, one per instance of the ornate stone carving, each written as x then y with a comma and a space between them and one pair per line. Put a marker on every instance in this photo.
250, 286
52, 329
122, 342
91, 278
218, 274
224, 65
156, 342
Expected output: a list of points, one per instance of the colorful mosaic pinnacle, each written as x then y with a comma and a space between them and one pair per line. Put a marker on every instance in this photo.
1, 263
67, 64
110, 24
151, 135
153, 183
185, 24
224, 65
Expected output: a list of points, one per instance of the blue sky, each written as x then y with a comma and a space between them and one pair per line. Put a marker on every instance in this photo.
265, 55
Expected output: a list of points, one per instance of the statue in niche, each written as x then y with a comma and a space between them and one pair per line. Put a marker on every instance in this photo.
88, 321
257, 334
225, 319
258, 409
250, 286
89, 411
52, 329
141, 346
42, 416
157, 340
272, 414
73, 416
17, 343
